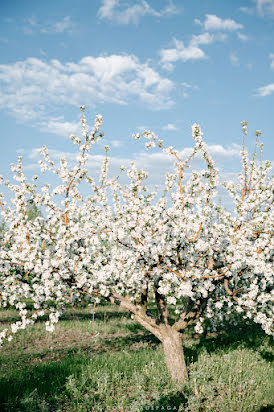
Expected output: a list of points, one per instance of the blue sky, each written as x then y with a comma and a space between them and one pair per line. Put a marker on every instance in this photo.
159, 65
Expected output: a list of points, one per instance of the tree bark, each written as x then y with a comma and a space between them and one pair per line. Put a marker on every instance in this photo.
168, 335
174, 355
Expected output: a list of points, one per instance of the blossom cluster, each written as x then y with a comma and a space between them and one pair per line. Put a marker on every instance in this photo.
122, 239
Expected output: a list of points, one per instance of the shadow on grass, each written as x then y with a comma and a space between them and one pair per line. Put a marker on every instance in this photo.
107, 344
230, 338
46, 379
174, 402
131, 342
266, 408
242, 336
21, 378
26, 383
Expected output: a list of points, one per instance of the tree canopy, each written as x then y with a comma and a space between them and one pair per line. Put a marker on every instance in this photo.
182, 251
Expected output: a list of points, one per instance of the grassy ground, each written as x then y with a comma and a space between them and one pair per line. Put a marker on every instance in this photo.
115, 365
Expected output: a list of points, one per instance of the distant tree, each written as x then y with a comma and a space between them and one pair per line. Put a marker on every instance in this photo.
32, 211
2, 229
183, 252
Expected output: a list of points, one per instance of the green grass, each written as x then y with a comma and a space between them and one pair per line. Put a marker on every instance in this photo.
116, 365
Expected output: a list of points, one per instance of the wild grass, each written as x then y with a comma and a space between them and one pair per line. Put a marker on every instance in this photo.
112, 364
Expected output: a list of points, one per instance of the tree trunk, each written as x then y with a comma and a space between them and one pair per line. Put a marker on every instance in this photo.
169, 336
174, 355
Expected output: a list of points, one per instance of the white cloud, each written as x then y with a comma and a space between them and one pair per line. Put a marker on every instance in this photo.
242, 36
265, 90
170, 127
219, 152
191, 52
171, 9
215, 23
265, 7
247, 10
194, 51
180, 53
61, 26
187, 87
33, 87
204, 38
122, 13
234, 60
198, 21
106, 11
32, 26
61, 128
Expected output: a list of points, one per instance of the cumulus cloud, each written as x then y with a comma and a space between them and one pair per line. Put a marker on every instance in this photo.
122, 13
215, 23
61, 128
193, 51
180, 52
30, 88
220, 152
265, 90
214, 28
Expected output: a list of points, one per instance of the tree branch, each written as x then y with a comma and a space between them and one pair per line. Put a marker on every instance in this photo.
192, 312
139, 315
161, 304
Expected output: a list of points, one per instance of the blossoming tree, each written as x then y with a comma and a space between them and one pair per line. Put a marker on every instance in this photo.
182, 252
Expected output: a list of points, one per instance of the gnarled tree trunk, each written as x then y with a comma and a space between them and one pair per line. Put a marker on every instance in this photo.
170, 336
174, 354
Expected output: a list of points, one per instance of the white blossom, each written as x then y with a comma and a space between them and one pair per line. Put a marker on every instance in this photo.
123, 239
